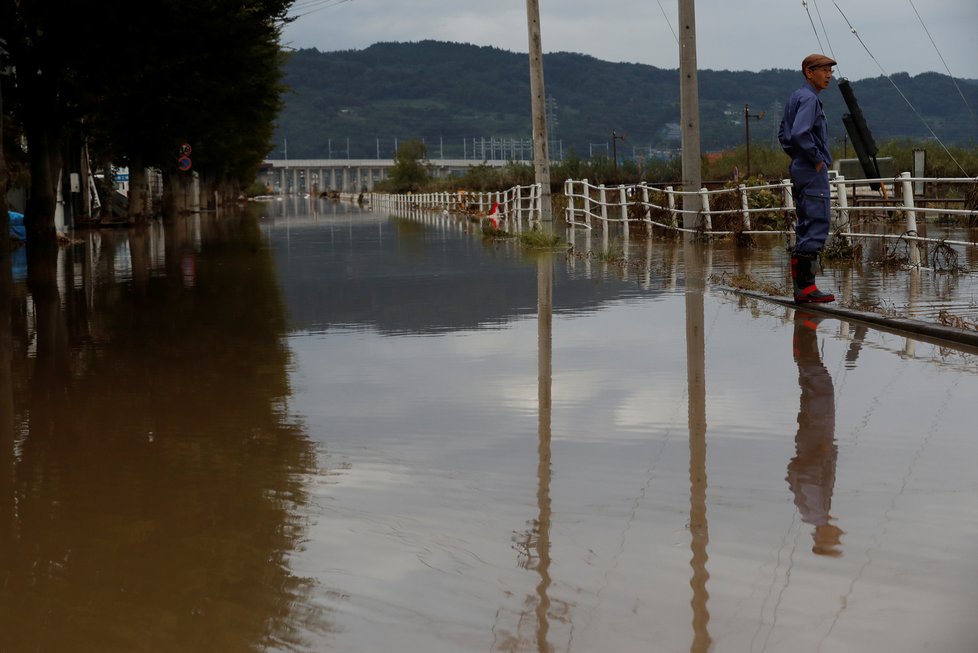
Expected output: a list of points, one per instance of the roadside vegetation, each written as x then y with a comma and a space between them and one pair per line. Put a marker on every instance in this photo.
136, 88
728, 169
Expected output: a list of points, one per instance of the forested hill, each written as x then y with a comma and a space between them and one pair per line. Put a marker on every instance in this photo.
447, 93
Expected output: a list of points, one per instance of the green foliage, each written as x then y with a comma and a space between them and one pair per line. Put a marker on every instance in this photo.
204, 72
538, 239
938, 162
601, 170
451, 93
410, 172
257, 188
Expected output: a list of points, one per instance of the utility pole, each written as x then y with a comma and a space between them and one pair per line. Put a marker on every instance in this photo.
614, 152
690, 111
747, 118
538, 104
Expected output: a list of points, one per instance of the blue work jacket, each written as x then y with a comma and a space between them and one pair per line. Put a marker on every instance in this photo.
803, 133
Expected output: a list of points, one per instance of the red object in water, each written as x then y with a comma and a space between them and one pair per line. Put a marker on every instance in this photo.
492, 215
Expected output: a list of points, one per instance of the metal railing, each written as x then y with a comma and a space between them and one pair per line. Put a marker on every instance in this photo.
517, 203
662, 207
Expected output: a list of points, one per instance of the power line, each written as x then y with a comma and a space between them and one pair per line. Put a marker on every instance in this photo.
668, 22
909, 104
804, 4
825, 31
953, 81
313, 8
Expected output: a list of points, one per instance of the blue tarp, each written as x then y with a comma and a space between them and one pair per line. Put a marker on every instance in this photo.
17, 226
19, 258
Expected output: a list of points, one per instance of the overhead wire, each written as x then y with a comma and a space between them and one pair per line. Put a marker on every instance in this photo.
668, 22
825, 32
941, 56
909, 103
804, 3
322, 4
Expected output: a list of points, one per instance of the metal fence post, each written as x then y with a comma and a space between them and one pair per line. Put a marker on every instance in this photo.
646, 209
623, 198
705, 201
788, 199
603, 196
569, 194
842, 201
586, 187
911, 217
671, 201
744, 205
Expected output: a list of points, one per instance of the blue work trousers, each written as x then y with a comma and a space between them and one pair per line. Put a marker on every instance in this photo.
810, 190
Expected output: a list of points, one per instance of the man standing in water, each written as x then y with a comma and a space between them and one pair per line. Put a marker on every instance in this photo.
804, 137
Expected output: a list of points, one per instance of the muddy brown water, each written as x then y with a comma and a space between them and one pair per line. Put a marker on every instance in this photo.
313, 427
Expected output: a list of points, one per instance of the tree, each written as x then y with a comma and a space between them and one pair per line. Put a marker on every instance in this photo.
200, 71
410, 171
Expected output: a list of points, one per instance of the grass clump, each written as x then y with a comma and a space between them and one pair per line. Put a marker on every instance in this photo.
537, 239
747, 282
842, 249
494, 233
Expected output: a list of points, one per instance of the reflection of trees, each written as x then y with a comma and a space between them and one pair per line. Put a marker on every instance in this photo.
6, 402
155, 481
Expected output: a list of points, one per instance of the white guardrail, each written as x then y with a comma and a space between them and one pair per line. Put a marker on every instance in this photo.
641, 203
518, 202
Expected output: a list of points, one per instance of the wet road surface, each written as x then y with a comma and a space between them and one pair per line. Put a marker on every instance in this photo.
320, 428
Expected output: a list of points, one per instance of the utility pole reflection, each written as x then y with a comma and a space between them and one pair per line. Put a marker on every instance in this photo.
544, 377
533, 544
696, 383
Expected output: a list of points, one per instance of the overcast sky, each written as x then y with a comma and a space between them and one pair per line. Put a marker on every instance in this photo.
752, 35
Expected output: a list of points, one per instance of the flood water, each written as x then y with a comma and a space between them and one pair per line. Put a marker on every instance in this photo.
313, 427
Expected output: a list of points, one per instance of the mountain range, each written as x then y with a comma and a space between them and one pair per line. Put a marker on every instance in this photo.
462, 100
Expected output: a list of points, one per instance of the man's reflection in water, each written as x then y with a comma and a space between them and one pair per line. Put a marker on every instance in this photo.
811, 473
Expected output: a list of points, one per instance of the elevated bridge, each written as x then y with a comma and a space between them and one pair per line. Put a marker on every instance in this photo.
297, 176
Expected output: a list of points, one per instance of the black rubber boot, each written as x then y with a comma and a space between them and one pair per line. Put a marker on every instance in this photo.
803, 280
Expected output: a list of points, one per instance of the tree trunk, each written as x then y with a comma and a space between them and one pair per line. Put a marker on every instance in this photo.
45, 162
137, 190
207, 193
4, 217
174, 194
